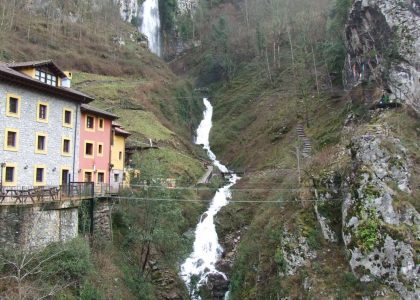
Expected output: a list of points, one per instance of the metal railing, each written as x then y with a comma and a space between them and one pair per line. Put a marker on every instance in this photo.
104, 189
42, 194
67, 192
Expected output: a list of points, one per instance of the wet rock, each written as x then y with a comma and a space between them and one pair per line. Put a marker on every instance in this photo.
230, 243
218, 285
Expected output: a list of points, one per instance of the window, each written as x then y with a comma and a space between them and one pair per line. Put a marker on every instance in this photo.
13, 106
67, 117
88, 177
39, 175
42, 112
101, 177
88, 149
11, 140
90, 123
46, 77
66, 147
120, 155
9, 174
101, 124
116, 177
41, 143
65, 175
100, 149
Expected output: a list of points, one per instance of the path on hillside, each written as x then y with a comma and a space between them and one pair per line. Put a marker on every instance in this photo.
307, 147
207, 176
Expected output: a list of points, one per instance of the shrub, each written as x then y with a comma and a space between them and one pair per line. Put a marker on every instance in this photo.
89, 292
367, 234
280, 261
72, 264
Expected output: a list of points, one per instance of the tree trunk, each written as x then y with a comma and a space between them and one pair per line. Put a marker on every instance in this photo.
291, 49
315, 69
268, 65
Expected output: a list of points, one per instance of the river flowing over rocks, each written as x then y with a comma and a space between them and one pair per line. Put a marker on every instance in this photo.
200, 267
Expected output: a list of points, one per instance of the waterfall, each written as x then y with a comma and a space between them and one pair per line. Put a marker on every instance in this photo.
207, 250
150, 25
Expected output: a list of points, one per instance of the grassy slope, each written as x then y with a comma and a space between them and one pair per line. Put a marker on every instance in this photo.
86, 46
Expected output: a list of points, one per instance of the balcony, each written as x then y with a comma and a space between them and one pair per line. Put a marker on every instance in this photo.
74, 191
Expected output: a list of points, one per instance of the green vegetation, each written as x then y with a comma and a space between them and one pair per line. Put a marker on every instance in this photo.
167, 10
333, 48
144, 123
57, 269
279, 259
150, 233
146, 106
367, 234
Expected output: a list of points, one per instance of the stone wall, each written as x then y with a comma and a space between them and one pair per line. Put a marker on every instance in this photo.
32, 227
102, 219
36, 226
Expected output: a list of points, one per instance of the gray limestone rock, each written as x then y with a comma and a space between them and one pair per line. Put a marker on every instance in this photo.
383, 46
296, 252
379, 237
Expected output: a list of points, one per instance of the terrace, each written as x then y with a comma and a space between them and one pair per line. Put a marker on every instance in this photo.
74, 191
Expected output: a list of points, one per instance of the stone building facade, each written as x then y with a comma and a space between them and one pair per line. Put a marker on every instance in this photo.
26, 157
39, 128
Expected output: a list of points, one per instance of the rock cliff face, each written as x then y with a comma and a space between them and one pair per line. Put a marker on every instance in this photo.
186, 6
129, 9
379, 230
383, 46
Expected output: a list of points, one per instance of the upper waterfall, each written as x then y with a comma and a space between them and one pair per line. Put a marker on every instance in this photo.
150, 25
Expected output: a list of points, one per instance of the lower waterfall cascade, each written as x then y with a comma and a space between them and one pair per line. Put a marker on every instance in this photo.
207, 250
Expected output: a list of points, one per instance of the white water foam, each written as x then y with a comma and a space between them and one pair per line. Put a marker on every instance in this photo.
150, 25
207, 250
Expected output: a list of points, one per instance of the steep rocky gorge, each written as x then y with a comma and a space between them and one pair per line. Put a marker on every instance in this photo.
373, 167
367, 188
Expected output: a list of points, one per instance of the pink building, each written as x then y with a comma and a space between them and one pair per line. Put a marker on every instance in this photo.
95, 145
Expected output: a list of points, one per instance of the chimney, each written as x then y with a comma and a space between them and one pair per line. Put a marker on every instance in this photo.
66, 81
